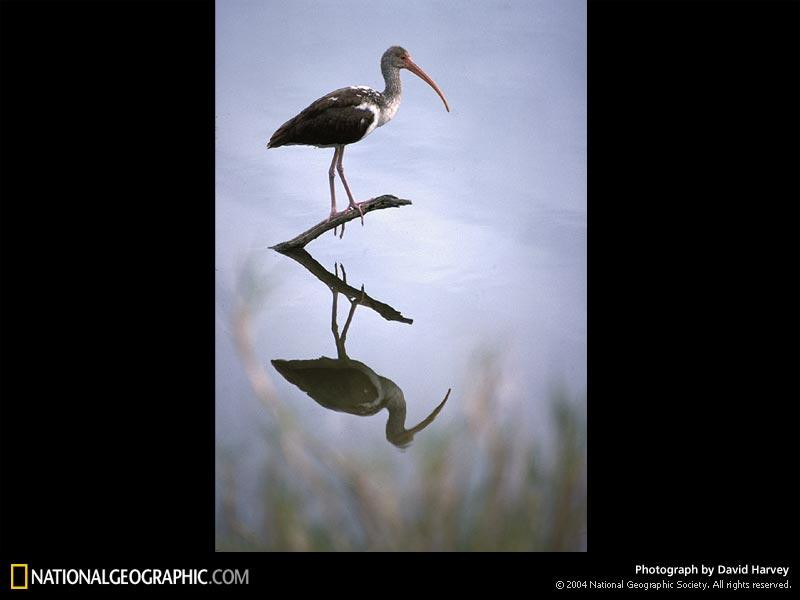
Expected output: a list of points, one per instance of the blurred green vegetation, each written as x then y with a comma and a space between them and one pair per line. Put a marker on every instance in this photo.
480, 484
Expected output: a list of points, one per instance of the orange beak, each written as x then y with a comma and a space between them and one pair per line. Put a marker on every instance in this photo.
411, 66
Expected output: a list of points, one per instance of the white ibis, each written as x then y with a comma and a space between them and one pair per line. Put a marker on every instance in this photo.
350, 114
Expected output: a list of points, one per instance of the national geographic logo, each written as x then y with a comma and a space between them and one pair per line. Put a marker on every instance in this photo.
19, 576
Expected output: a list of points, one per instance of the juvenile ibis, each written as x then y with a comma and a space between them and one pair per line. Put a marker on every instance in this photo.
350, 114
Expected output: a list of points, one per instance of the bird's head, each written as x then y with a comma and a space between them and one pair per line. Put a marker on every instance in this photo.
396, 432
398, 57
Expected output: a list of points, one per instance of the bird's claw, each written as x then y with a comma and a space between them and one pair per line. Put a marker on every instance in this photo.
352, 206
357, 206
330, 217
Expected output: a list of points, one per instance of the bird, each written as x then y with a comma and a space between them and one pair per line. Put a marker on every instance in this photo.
350, 114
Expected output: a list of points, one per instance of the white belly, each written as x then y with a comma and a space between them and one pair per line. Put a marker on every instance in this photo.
388, 113
375, 116
379, 116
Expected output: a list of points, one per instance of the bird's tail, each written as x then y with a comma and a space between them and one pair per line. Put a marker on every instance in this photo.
280, 137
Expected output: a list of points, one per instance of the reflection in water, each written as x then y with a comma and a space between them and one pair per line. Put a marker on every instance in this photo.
346, 385
335, 283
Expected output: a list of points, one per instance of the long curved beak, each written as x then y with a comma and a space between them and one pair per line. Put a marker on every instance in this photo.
423, 424
412, 66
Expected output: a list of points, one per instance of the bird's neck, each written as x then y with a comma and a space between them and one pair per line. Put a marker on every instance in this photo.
394, 88
396, 405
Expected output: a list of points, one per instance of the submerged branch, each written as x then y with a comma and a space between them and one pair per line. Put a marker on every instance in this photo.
385, 201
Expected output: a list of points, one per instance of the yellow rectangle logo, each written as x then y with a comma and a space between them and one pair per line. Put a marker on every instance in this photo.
16, 576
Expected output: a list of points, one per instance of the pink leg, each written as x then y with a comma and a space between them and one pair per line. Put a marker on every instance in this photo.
333, 187
353, 203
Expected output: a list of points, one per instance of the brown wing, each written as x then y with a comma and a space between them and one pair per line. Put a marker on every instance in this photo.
333, 119
342, 385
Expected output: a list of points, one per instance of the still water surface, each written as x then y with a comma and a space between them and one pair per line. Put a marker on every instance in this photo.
489, 259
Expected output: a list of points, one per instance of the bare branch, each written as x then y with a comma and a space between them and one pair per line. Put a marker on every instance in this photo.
385, 201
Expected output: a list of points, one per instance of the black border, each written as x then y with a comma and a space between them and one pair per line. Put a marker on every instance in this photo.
693, 278
107, 314
107, 278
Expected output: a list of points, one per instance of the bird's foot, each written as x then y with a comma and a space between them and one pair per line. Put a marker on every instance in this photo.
330, 217
357, 206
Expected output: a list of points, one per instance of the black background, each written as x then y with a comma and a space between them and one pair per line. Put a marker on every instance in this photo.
107, 332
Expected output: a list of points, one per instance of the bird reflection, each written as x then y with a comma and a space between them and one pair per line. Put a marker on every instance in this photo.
342, 383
